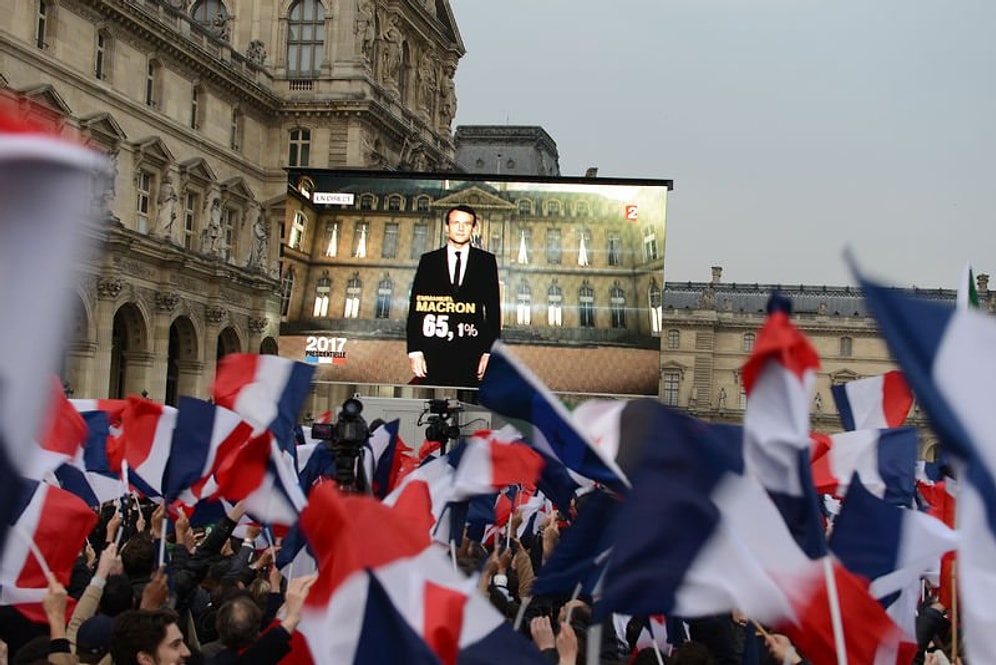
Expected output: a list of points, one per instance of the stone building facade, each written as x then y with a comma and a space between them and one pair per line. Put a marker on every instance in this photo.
201, 106
709, 330
506, 149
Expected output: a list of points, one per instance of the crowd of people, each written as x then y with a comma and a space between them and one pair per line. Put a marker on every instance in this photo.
220, 599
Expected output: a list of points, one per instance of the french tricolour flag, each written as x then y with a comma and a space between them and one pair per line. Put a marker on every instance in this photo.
512, 390
948, 357
883, 459
47, 189
875, 402
779, 378
57, 523
696, 536
145, 442
388, 459
268, 391
492, 460
205, 435
88, 474
63, 432
391, 597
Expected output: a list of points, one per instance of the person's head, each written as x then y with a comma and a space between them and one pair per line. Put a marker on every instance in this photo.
461, 221
93, 639
691, 653
148, 637
138, 556
118, 596
238, 622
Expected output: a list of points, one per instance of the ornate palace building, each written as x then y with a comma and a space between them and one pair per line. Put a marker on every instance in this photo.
202, 106
709, 329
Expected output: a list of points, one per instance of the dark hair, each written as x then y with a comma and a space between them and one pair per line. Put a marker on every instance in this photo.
461, 208
691, 653
238, 622
139, 630
138, 556
118, 596
33, 651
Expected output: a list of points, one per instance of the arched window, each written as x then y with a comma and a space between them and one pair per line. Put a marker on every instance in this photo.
617, 306
554, 306
354, 289
525, 207
286, 290
656, 309
749, 339
208, 13
586, 306
305, 38
322, 291
298, 227
385, 292
523, 304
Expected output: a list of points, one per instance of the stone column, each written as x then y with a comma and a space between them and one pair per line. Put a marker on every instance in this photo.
166, 302
108, 289
213, 317
257, 326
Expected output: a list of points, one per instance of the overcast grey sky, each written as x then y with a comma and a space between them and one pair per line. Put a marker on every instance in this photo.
791, 128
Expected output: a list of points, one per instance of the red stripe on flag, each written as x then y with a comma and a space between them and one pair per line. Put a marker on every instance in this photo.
781, 341
235, 371
443, 621
514, 463
64, 430
897, 398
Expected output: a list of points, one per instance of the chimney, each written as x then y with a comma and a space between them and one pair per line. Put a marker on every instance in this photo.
982, 284
717, 274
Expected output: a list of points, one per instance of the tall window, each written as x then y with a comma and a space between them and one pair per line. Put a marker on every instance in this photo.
360, 240
749, 339
41, 26
614, 249
332, 239
100, 55
525, 207
845, 346
389, 249
235, 132
671, 383
151, 82
523, 304
656, 309
617, 307
143, 188
495, 244
190, 203
322, 291
649, 244
229, 224
525, 245
354, 288
195, 107
297, 230
743, 398
586, 306
554, 246
305, 38
673, 339
584, 247
286, 290
300, 147
420, 236
554, 306
385, 292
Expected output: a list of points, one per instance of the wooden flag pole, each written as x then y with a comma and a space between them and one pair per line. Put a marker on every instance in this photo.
835, 619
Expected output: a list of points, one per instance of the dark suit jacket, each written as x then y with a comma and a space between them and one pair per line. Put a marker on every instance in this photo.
453, 345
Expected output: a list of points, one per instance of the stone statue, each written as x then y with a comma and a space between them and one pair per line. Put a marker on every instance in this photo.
222, 27
427, 81
260, 249
166, 208
447, 97
365, 29
721, 399
391, 54
256, 53
211, 237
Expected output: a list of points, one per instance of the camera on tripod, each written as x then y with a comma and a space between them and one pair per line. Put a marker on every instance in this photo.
344, 439
439, 428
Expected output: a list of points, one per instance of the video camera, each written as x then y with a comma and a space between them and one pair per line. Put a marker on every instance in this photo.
439, 412
344, 439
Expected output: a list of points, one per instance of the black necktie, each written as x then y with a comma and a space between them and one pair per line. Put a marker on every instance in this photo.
456, 272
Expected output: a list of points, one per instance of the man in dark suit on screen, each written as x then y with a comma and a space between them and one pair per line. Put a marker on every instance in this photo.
454, 315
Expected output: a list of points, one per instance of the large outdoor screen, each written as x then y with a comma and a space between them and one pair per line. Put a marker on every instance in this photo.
568, 272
